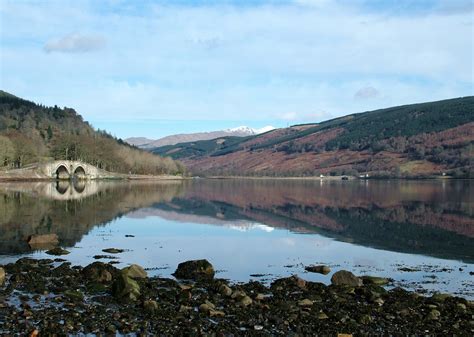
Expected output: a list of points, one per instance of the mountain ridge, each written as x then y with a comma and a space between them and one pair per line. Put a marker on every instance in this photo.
414, 140
240, 131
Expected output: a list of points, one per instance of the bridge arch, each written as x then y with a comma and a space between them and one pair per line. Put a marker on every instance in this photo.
62, 187
62, 172
79, 172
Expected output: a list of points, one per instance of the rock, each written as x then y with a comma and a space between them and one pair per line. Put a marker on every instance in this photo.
288, 283
318, 269
185, 287
125, 288
34, 333
305, 303
258, 327
99, 272
365, 319
245, 301
439, 297
150, 306
225, 290
111, 329
74, 295
300, 283
57, 251
379, 301
238, 295
260, 297
322, 315
42, 241
113, 250
345, 278
216, 313
207, 306
2, 276
135, 271
461, 306
379, 281
184, 308
194, 270
433, 315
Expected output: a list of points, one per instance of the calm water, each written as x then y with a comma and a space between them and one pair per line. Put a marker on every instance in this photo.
256, 229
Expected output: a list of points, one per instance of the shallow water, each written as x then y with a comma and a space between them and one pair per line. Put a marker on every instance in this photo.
256, 229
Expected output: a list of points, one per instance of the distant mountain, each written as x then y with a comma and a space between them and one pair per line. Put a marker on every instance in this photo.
31, 133
416, 140
241, 131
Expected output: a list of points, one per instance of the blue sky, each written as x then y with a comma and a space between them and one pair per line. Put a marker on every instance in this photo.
153, 68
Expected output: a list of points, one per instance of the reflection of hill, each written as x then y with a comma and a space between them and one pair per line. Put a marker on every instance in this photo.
27, 209
428, 217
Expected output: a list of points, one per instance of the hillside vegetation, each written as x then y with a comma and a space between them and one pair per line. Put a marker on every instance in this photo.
406, 141
31, 133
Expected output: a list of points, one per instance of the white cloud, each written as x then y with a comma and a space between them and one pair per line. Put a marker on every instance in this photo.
269, 62
75, 43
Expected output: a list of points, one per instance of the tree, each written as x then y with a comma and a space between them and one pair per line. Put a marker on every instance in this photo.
7, 151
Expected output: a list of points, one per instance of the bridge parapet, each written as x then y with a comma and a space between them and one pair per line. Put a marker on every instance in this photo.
68, 169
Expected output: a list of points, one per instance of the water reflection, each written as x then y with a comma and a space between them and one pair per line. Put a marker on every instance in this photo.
70, 209
428, 217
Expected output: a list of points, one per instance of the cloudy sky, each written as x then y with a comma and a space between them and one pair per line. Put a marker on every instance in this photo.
152, 68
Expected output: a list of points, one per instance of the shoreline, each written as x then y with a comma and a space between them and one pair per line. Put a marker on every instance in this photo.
50, 296
328, 178
119, 178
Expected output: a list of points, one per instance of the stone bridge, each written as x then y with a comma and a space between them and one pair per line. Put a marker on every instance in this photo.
68, 169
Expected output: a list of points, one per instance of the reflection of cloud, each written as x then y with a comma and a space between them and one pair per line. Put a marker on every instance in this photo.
245, 227
240, 225
75, 43
288, 242
366, 93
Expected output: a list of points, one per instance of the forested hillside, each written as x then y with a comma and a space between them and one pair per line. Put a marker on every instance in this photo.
31, 133
406, 141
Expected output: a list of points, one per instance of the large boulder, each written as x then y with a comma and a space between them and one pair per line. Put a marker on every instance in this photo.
345, 278
195, 270
44, 241
289, 283
99, 272
135, 271
58, 251
125, 288
379, 281
318, 269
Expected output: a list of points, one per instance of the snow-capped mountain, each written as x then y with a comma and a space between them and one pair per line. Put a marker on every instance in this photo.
241, 131
251, 131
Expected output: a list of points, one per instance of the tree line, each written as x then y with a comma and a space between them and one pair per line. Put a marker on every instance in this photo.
31, 133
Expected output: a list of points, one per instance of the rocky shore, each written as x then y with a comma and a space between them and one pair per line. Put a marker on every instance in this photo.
42, 297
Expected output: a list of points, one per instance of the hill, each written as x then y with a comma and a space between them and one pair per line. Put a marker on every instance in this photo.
405, 141
241, 131
31, 133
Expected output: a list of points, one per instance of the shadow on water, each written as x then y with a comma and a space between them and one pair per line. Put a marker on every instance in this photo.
422, 217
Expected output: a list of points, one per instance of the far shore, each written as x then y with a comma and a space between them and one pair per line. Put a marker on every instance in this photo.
333, 178
136, 177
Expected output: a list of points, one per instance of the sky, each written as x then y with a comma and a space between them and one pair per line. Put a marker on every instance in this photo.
155, 68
